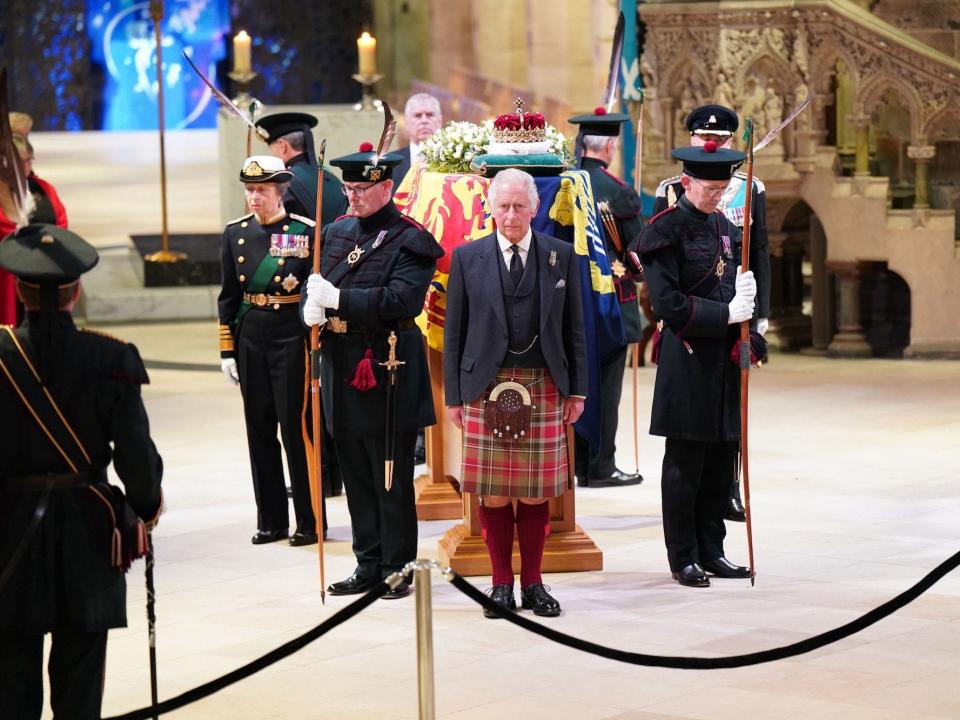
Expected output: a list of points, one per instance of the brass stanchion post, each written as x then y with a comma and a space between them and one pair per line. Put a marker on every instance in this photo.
424, 609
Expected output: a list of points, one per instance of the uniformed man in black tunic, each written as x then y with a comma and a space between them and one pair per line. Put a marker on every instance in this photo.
716, 123
599, 137
57, 572
690, 255
377, 265
291, 140
265, 260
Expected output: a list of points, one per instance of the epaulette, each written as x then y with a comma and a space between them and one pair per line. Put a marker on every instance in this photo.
305, 220
413, 222
662, 213
239, 219
662, 187
103, 334
612, 176
757, 182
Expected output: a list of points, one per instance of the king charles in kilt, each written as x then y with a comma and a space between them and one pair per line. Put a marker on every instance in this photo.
515, 375
619, 207
376, 267
690, 255
265, 259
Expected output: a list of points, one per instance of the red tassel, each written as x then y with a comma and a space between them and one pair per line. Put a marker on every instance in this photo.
363, 377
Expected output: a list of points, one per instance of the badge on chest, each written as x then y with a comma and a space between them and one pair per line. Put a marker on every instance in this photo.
283, 245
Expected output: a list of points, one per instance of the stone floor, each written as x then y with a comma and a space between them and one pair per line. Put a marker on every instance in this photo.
855, 474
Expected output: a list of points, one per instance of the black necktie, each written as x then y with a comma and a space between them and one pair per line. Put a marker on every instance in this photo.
516, 267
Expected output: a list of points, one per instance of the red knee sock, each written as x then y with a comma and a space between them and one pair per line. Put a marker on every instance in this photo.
533, 526
497, 526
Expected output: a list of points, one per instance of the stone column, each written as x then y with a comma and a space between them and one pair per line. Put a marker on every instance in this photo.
849, 342
820, 295
861, 124
789, 327
921, 156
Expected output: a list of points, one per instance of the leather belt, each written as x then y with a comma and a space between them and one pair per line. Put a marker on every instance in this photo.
342, 327
51, 481
262, 300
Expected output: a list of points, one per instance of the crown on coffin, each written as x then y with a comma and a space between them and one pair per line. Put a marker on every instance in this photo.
519, 127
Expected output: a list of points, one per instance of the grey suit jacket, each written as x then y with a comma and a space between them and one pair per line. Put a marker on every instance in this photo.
475, 330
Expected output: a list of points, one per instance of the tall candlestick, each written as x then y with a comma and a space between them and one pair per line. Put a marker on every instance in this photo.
367, 52
241, 52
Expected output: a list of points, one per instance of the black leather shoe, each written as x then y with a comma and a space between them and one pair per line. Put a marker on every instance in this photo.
535, 597
721, 567
400, 591
353, 585
582, 481
268, 536
692, 576
502, 595
300, 538
617, 479
735, 511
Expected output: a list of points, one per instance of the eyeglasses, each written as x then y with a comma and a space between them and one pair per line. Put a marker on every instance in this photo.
357, 190
710, 189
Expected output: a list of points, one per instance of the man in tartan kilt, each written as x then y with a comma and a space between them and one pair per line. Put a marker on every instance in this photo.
515, 374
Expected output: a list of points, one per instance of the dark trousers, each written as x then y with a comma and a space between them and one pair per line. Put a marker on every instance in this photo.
271, 359
695, 489
600, 462
384, 523
76, 667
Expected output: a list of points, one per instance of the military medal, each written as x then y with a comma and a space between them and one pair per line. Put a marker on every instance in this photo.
380, 236
726, 246
618, 268
355, 255
721, 266
289, 283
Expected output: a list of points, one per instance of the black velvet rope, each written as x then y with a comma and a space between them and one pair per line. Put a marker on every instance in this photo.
285, 650
732, 661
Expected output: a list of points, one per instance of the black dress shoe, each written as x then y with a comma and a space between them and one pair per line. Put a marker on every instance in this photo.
721, 567
300, 538
535, 597
400, 591
582, 481
692, 576
502, 595
353, 585
268, 536
735, 511
617, 479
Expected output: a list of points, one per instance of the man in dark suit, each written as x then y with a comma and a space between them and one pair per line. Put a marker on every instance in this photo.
515, 374
423, 117
291, 140
61, 570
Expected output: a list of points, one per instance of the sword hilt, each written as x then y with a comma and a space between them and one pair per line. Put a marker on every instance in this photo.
392, 363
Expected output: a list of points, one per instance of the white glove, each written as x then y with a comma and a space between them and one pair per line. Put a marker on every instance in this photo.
314, 313
746, 284
228, 366
763, 325
322, 293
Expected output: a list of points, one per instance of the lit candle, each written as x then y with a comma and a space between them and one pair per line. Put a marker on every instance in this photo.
367, 52
241, 52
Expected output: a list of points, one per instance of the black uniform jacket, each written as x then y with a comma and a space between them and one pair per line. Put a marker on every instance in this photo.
244, 246
690, 264
65, 579
301, 196
382, 291
626, 208
475, 335
670, 190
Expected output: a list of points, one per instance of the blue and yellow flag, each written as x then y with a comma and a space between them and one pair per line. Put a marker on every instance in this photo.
568, 211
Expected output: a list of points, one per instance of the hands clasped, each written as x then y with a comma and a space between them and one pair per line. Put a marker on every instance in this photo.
321, 294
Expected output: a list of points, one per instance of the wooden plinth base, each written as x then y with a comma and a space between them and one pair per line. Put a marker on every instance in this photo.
437, 500
571, 551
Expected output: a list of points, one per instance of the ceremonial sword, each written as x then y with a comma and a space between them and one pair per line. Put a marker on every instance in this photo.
391, 419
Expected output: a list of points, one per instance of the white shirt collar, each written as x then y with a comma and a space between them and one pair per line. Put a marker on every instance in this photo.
524, 245
414, 151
